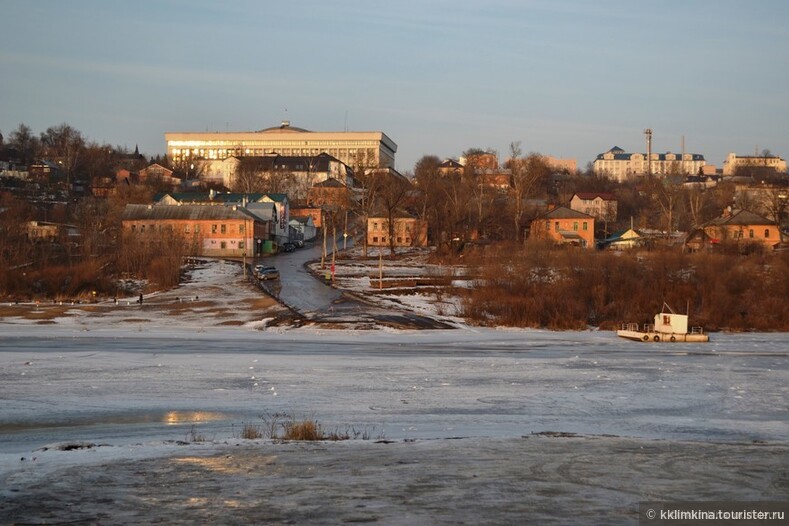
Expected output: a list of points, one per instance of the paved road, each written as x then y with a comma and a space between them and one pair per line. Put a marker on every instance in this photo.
297, 288
314, 299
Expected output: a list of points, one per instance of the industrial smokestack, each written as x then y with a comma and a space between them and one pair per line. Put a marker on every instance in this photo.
648, 133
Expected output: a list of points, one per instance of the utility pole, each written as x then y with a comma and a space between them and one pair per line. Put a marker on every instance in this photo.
648, 133
323, 226
334, 247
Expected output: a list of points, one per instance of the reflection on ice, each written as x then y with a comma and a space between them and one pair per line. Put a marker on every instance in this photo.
223, 464
192, 417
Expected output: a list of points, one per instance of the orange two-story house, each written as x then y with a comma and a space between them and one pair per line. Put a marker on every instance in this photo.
564, 226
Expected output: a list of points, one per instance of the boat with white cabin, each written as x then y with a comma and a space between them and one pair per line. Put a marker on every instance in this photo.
667, 327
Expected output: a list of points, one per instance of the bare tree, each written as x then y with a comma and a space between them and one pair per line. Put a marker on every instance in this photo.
458, 192
428, 182
299, 185
25, 143
392, 194
370, 179
527, 173
481, 165
774, 200
98, 160
697, 200
92, 217
15, 249
188, 168
668, 197
64, 145
249, 175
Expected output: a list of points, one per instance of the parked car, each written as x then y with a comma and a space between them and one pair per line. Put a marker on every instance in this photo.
288, 247
261, 271
269, 273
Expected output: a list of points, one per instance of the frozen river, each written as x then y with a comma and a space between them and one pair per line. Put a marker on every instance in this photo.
128, 388
655, 422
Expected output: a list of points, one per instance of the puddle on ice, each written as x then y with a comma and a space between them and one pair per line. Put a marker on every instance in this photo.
168, 418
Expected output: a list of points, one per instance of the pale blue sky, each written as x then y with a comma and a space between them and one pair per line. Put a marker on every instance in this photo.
569, 78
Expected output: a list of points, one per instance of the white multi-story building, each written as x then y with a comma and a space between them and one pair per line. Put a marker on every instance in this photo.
733, 161
356, 149
620, 165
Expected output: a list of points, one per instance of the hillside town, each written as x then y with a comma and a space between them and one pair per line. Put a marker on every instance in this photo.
77, 216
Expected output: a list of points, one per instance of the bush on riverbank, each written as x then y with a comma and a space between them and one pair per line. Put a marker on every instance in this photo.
541, 286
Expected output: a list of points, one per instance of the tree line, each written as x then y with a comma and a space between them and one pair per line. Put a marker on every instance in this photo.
542, 286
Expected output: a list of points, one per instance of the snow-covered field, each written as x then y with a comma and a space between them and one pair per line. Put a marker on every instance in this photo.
215, 294
361, 276
131, 414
